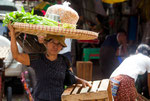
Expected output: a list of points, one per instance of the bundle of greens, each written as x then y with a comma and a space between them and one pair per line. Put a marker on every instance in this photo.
27, 17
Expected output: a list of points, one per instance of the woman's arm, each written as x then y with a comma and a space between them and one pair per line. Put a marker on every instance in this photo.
82, 81
21, 57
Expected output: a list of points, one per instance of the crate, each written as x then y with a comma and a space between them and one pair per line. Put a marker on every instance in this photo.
100, 91
84, 70
91, 53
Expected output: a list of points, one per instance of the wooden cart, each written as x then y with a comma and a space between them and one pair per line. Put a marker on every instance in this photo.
100, 91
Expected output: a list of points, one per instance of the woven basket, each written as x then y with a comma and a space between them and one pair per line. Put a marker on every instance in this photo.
43, 30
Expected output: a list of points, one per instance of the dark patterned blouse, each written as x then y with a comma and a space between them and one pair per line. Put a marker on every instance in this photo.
50, 76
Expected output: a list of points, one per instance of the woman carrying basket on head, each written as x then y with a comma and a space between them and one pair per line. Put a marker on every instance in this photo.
50, 68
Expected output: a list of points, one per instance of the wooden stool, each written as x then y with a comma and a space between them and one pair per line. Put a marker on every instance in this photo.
100, 91
84, 70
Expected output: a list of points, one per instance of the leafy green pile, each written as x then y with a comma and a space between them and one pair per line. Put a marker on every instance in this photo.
27, 17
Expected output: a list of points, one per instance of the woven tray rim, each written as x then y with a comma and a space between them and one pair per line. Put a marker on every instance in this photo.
43, 30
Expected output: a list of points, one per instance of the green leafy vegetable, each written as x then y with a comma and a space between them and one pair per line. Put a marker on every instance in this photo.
22, 10
27, 17
32, 12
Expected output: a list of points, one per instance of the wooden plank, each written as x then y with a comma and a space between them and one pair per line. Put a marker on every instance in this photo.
85, 90
95, 86
84, 70
68, 91
104, 85
88, 70
110, 97
91, 71
76, 89
79, 69
87, 73
85, 96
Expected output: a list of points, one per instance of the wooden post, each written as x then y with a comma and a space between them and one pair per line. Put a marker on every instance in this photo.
84, 70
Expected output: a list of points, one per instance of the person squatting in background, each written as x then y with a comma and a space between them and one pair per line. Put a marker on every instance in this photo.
125, 75
108, 58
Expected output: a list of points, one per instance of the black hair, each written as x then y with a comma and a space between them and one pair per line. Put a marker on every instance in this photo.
99, 17
121, 31
46, 41
144, 49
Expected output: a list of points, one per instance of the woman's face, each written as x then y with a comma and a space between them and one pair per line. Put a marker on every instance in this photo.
53, 47
122, 39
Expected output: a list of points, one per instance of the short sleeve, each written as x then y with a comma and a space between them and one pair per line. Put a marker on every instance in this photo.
67, 62
34, 59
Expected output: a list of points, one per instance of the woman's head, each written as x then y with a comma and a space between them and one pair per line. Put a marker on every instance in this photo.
54, 44
121, 37
99, 18
144, 49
